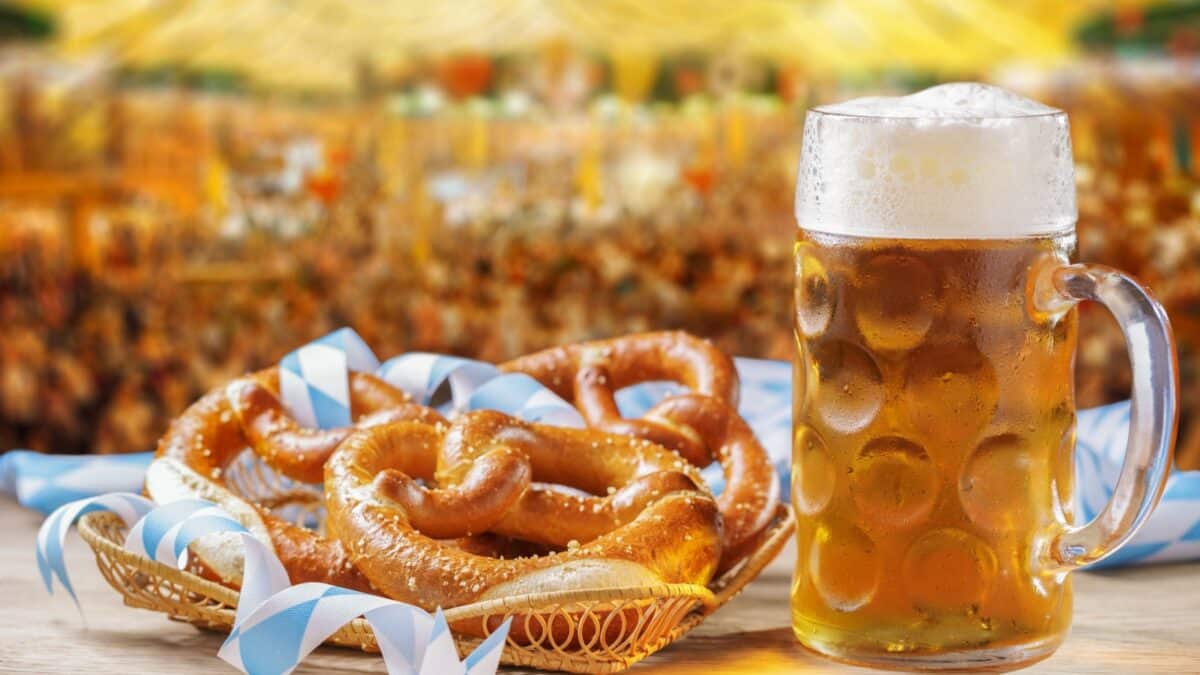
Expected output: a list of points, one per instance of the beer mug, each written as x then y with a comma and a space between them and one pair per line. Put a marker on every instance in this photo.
934, 409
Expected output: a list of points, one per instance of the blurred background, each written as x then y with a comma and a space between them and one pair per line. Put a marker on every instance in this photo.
191, 189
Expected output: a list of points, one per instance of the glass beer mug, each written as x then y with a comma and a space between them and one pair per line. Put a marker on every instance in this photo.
934, 408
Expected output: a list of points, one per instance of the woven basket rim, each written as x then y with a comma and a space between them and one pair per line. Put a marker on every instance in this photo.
91, 529
529, 601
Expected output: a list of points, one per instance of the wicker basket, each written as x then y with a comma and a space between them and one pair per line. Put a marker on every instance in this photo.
601, 631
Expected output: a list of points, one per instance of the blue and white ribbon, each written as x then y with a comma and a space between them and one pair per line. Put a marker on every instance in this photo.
424, 376
52, 535
313, 381
276, 625
46, 482
1173, 530
455, 384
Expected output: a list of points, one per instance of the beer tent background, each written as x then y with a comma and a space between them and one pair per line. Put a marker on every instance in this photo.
323, 45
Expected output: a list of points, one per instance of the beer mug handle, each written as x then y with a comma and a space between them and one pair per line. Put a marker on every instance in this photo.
1154, 411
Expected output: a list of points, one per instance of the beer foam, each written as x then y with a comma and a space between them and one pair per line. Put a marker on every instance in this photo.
957, 161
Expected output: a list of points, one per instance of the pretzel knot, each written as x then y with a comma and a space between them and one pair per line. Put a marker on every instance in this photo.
641, 518
193, 458
703, 425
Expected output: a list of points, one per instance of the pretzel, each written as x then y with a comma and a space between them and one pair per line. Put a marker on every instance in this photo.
667, 355
196, 451
703, 426
666, 529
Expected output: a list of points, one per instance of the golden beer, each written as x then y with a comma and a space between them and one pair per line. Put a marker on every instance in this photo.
934, 408
933, 445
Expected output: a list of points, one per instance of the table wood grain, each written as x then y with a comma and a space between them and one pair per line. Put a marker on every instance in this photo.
1144, 620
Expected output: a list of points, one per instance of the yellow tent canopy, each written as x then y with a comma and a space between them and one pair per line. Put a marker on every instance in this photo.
320, 44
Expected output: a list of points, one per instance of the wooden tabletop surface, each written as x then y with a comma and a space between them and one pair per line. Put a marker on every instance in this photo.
1143, 620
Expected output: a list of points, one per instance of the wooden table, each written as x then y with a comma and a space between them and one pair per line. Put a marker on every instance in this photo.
1131, 621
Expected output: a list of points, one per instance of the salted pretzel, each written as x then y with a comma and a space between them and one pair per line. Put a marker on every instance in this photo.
194, 455
646, 519
703, 425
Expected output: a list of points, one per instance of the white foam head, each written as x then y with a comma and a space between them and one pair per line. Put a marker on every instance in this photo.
957, 161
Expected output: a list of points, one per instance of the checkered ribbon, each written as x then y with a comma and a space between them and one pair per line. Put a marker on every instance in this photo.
1173, 530
276, 624
46, 482
52, 535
